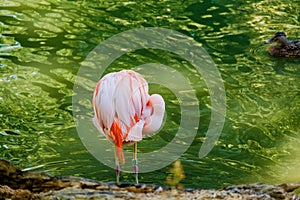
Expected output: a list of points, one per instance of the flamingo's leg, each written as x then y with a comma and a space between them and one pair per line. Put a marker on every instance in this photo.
117, 164
135, 163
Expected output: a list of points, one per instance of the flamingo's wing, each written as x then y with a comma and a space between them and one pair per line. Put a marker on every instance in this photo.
122, 100
131, 96
103, 104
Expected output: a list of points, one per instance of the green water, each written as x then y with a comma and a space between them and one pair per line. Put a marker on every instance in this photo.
42, 46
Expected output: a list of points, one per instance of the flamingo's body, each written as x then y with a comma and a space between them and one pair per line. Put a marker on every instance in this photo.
125, 112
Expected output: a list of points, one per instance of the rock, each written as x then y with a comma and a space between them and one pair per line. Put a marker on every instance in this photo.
16, 184
8, 193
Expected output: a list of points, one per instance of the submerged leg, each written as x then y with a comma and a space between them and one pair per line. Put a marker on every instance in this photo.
117, 164
135, 163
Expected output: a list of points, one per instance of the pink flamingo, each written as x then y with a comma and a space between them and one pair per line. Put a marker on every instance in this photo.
125, 112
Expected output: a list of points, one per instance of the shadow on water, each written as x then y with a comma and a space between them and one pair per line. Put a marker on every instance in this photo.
42, 45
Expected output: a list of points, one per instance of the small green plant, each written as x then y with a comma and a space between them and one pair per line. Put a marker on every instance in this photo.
177, 174
297, 191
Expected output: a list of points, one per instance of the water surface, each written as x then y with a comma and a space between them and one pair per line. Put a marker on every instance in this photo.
42, 46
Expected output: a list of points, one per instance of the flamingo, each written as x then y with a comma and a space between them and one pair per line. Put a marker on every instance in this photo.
124, 112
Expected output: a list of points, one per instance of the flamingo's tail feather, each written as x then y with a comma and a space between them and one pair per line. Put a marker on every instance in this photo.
116, 134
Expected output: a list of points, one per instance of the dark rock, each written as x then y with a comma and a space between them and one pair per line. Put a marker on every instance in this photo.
16, 184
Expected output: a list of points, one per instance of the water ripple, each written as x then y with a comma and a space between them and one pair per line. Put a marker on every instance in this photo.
42, 44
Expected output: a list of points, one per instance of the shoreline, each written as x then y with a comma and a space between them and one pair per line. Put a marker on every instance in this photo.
16, 184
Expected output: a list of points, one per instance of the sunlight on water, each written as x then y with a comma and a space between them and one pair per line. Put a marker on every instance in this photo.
42, 46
